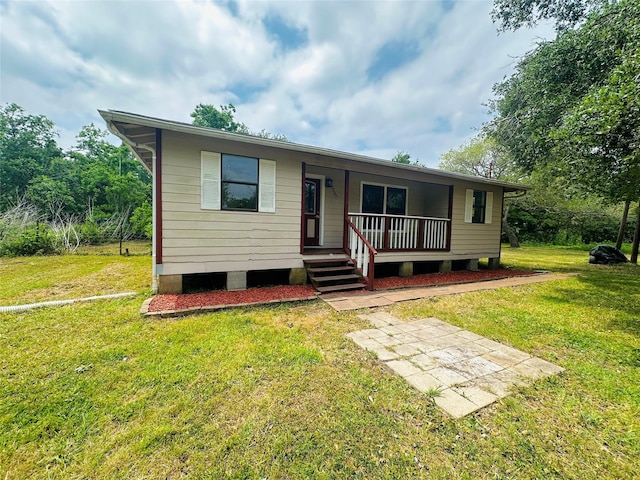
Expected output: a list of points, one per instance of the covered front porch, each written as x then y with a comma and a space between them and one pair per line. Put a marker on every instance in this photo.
373, 218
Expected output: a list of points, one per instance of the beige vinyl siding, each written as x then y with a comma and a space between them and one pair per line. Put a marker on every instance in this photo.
197, 240
479, 239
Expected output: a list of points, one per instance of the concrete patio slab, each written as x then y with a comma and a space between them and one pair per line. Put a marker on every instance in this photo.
462, 370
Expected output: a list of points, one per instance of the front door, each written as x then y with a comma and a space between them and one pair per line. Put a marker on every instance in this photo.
311, 212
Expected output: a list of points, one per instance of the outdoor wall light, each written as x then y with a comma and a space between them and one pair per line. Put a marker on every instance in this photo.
328, 182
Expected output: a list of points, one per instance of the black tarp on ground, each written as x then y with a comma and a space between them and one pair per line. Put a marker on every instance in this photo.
606, 254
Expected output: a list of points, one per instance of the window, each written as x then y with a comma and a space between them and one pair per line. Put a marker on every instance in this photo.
372, 198
239, 183
234, 182
383, 199
478, 207
396, 201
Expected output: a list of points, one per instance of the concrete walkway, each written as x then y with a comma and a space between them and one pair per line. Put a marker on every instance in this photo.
382, 298
464, 371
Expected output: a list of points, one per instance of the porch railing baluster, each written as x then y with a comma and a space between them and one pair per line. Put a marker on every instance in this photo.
399, 232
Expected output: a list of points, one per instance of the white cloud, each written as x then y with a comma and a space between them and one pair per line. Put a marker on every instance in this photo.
66, 59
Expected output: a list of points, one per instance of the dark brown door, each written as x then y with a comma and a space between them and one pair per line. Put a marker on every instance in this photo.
311, 212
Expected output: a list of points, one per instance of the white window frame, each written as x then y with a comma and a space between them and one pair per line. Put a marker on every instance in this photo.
211, 183
384, 205
468, 206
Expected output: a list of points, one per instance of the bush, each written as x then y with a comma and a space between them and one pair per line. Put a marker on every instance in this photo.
91, 233
535, 223
33, 240
141, 221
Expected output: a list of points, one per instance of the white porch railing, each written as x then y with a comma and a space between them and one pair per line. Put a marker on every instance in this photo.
361, 252
399, 232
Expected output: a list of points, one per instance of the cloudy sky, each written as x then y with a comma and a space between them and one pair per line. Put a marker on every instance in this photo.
370, 77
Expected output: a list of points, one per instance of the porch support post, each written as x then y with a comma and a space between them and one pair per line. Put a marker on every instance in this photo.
345, 233
303, 227
450, 215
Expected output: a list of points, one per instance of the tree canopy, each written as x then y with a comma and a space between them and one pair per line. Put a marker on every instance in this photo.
514, 14
93, 185
209, 116
572, 104
206, 115
482, 157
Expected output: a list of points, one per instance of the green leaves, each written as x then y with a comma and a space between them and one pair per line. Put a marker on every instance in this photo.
514, 14
566, 96
93, 180
481, 156
210, 116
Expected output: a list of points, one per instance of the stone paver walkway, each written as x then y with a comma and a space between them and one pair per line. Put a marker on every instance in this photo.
382, 298
467, 370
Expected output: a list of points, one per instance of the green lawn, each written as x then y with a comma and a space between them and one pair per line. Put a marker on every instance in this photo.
95, 391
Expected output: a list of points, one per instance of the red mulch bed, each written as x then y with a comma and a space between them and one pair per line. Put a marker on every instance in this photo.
461, 276
223, 298
253, 296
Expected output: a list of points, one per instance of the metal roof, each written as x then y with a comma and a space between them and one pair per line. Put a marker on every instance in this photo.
139, 132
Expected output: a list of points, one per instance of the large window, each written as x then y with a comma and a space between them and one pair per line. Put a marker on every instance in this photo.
384, 199
239, 183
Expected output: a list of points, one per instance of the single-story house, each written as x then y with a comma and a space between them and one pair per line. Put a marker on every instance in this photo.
231, 205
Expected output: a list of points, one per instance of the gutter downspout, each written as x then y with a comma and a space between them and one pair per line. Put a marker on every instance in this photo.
154, 266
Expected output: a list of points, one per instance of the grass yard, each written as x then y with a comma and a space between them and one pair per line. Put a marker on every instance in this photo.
92, 271
95, 391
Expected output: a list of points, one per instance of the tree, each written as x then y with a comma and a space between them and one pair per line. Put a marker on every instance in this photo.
223, 119
27, 148
514, 14
553, 109
402, 157
125, 194
602, 138
482, 157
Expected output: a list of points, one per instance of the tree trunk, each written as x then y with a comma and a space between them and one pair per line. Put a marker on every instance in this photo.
511, 235
636, 238
513, 239
623, 224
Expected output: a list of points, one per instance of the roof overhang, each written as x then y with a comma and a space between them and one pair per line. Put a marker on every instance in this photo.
139, 133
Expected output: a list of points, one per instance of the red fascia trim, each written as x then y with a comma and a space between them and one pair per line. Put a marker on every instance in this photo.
302, 223
158, 205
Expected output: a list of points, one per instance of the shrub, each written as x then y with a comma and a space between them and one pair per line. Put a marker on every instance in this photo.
33, 240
